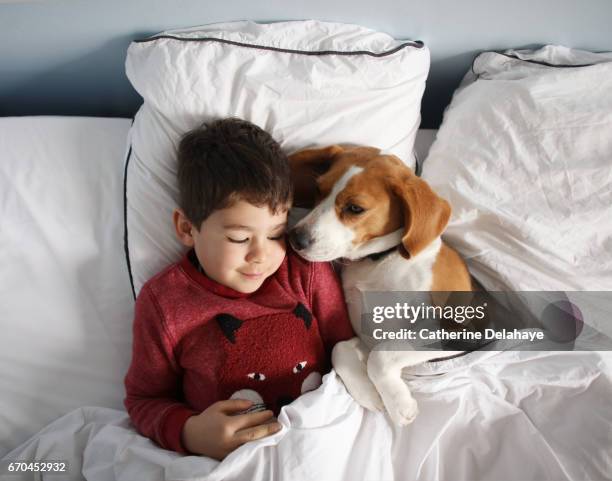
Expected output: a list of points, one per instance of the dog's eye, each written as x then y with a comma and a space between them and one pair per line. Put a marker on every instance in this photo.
353, 209
257, 376
299, 367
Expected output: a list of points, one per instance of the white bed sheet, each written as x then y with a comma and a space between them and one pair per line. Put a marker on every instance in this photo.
65, 298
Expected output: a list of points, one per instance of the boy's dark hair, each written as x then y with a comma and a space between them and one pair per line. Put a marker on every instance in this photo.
230, 160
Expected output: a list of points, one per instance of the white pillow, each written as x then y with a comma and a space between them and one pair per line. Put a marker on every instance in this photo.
524, 155
66, 306
307, 83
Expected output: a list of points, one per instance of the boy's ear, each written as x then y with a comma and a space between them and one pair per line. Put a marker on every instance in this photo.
183, 228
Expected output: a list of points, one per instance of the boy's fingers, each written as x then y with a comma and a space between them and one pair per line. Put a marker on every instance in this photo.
231, 406
256, 432
243, 421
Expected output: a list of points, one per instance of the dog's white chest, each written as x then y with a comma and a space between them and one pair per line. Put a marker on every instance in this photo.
391, 273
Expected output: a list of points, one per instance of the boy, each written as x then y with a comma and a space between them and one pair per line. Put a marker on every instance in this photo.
241, 325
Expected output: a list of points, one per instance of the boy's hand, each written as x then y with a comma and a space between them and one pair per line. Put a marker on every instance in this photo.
218, 430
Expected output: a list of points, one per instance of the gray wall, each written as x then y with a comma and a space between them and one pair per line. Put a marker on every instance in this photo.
67, 57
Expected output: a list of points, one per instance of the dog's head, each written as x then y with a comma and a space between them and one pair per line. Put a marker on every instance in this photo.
363, 201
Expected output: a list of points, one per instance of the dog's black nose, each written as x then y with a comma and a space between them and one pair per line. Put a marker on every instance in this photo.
299, 238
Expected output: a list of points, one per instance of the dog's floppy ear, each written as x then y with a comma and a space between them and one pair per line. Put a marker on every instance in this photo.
306, 166
425, 213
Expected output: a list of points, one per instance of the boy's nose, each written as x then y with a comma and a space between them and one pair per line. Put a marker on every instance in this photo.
257, 254
300, 238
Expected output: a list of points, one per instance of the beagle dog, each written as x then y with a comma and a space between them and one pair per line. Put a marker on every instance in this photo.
373, 211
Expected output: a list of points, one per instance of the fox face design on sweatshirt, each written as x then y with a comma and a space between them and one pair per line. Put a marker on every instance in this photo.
272, 359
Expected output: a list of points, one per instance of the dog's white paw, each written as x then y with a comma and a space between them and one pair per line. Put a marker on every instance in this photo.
402, 410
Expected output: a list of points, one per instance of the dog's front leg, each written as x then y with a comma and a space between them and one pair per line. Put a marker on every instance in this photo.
385, 370
349, 359
385, 365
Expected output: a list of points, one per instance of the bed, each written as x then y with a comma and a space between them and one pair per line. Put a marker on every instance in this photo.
66, 300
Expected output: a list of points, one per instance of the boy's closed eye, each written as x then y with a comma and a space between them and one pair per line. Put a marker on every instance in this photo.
277, 235
242, 241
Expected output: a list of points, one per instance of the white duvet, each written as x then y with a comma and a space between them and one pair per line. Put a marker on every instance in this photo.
484, 416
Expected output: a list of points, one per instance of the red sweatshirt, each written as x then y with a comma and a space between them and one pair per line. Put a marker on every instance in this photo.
197, 342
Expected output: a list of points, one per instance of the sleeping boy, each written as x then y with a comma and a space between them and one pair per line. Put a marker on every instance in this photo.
241, 325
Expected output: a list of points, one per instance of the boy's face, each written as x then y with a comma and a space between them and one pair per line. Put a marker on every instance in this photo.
239, 246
